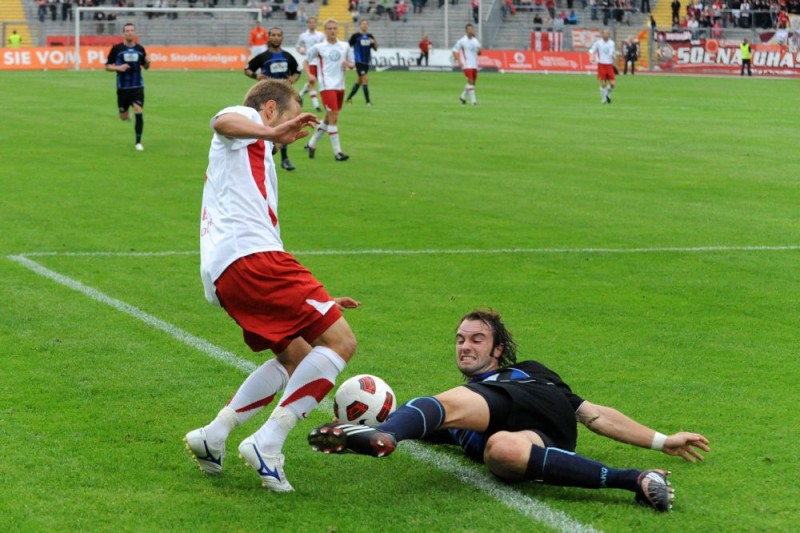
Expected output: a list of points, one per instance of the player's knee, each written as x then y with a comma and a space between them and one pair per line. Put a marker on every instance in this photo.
346, 345
506, 455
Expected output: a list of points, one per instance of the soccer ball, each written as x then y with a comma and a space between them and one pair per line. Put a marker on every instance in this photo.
364, 399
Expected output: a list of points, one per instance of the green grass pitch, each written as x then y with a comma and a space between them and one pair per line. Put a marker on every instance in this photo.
647, 250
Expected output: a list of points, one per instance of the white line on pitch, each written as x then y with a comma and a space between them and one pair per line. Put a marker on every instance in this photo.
529, 507
445, 251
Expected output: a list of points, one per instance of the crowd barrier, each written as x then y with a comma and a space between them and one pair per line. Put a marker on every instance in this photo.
679, 56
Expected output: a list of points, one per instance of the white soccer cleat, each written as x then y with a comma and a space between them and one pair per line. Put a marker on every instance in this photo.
139, 147
207, 457
269, 467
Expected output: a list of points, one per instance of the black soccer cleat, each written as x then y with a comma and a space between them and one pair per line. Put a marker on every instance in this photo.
654, 490
463, 100
341, 438
287, 165
341, 156
311, 151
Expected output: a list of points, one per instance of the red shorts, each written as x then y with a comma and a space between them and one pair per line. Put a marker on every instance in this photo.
471, 74
275, 299
605, 72
332, 100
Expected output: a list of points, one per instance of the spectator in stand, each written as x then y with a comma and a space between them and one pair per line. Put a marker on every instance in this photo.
627, 16
290, 11
572, 18
424, 49
41, 10
401, 10
550, 5
593, 9
476, 10
66, 10
645, 6
692, 25
258, 40
676, 12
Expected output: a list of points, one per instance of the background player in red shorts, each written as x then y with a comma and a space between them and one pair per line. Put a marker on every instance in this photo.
604, 52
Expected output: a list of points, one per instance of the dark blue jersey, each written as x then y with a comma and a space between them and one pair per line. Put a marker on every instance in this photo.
279, 65
135, 57
534, 389
362, 44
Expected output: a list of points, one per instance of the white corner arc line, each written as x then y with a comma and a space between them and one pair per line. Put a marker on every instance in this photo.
529, 507
175, 332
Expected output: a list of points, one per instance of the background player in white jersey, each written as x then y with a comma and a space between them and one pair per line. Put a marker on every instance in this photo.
334, 58
465, 53
603, 52
275, 300
305, 41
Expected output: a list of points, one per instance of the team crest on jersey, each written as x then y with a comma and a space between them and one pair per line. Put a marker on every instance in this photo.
334, 55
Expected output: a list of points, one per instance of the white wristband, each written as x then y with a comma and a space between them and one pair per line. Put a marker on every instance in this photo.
658, 441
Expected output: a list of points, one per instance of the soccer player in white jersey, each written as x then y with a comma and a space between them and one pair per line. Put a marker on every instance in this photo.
305, 41
334, 57
465, 53
276, 301
603, 52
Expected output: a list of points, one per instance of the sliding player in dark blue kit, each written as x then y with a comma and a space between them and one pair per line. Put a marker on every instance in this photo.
520, 419
127, 59
278, 64
362, 43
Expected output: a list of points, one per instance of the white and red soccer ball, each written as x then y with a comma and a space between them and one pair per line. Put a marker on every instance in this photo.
364, 399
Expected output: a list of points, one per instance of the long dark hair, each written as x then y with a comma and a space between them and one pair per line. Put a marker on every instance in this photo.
500, 334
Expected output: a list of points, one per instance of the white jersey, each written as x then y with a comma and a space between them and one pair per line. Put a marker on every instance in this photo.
239, 215
331, 59
309, 38
605, 51
469, 49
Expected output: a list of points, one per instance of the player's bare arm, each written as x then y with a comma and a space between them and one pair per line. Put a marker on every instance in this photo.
236, 126
613, 424
118, 68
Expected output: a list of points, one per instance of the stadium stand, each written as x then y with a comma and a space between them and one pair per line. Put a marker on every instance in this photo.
12, 17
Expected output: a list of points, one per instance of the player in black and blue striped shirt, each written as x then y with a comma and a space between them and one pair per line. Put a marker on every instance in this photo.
127, 59
362, 43
275, 63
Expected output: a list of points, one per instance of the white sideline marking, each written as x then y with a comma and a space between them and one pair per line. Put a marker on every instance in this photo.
175, 332
379, 251
525, 505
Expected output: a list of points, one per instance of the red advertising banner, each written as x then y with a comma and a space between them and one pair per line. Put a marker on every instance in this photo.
713, 56
94, 57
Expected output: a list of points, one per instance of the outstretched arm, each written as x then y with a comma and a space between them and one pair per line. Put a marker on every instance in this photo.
238, 126
615, 425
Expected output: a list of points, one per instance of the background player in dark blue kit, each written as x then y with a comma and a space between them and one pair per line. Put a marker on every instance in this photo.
519, 418
278, 64
127, 59
363, 43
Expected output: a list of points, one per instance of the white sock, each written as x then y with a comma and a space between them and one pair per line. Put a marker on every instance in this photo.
304, 90
471, 91
255, 393
333, 131
314, 100
320, 131
314, 377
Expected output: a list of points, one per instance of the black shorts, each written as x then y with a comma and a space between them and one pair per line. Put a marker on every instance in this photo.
529, 405
127, 97
362, 68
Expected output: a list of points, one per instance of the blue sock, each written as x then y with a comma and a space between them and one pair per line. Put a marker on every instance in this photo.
415, 419
138, 126
366, 91
558, 467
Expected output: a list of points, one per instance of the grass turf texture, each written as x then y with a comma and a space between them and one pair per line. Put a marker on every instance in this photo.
94, 403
